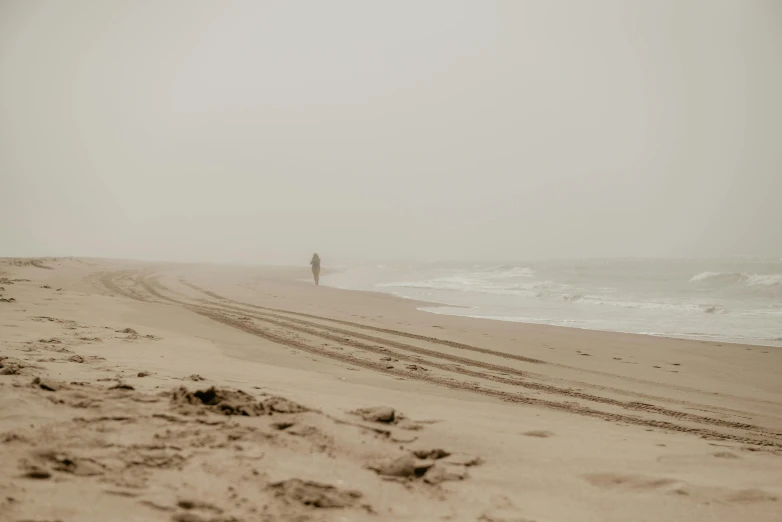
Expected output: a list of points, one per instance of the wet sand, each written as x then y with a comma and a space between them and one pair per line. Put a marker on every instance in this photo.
142, 391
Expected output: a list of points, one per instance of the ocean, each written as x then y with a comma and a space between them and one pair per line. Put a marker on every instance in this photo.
728, 300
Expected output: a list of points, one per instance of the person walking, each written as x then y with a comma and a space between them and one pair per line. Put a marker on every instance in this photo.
315, 262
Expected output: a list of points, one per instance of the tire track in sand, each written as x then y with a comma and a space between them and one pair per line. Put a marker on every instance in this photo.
505, 355
306, 328
433, 340
763, 440
546, 388
476, 388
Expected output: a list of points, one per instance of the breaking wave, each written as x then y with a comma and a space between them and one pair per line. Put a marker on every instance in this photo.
734, 278
643, 305
471, 284
501, 280
506, 272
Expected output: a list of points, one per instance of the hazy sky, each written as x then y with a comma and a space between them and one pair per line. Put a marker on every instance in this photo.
263, 131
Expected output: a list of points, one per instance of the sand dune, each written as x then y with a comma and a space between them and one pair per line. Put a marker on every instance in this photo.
138, 391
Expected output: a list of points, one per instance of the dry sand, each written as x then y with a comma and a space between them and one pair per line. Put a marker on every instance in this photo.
137, 391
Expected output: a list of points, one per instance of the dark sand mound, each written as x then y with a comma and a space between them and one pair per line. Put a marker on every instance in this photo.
232, 402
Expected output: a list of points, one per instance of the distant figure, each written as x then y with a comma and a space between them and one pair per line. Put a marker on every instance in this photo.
316, 268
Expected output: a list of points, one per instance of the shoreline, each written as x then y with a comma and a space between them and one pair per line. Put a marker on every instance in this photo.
434, 304
683, 337
420, 306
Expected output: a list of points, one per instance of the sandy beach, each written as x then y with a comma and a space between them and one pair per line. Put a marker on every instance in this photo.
192, 393
514, 261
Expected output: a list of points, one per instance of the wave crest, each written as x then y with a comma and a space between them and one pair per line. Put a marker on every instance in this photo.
644, 305
738, 278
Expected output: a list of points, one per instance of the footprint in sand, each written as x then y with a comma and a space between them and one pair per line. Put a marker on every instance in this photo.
386, 415
314, 494
503, 516
12, 366
629, 482
639, 483
542, 434
434, 466
726, 455
703, 458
